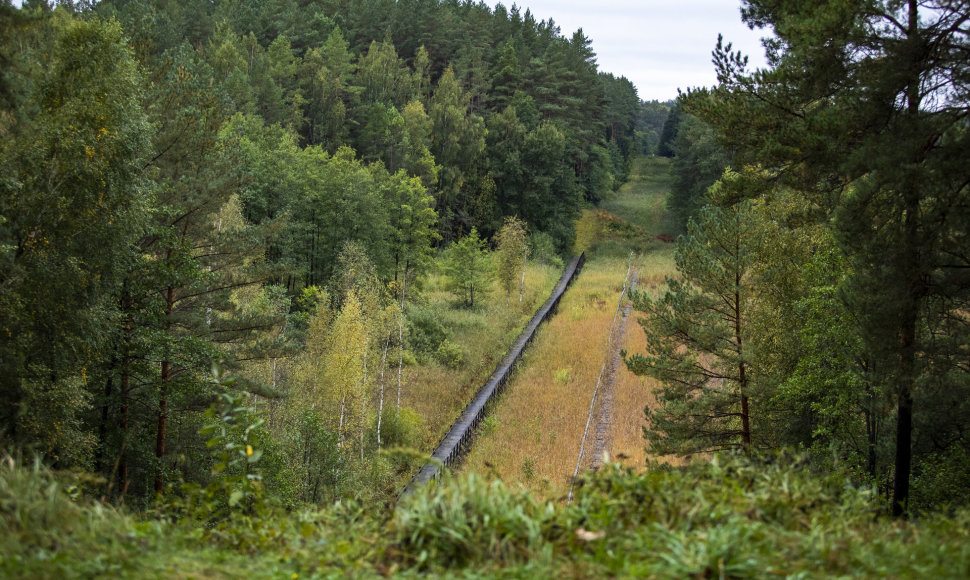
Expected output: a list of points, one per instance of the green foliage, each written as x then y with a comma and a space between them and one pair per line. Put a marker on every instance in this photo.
650, 124
511, 255
890, 201
450, 354
403, 428
48, 529
697, 336
469, 271
563, 376
665, 146
542, 249
74, 202
470, 522
425, 331
699, 161
730, 515
319, 460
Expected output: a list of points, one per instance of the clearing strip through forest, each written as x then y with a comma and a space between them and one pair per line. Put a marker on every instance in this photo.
534, 433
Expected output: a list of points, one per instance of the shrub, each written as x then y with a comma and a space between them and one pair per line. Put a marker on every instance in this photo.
425, 332
542, 249
450, 354
468, 521
402, 428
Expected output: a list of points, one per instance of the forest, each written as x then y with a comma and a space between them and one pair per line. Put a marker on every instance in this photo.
256, 254
241, 184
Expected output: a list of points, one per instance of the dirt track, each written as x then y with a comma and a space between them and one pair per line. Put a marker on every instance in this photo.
603, 411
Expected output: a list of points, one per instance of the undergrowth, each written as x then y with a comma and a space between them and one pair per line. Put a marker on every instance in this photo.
731, 517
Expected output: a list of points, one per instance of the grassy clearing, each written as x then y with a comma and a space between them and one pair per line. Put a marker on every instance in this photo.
535, 432
534, 436
483, 334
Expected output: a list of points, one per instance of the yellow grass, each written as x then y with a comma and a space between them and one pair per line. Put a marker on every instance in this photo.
439, 394
540, 419
535, 435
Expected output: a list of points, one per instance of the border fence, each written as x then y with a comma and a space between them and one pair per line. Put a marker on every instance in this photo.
456, 442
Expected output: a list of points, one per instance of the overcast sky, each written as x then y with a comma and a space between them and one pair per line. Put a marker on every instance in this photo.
660, 45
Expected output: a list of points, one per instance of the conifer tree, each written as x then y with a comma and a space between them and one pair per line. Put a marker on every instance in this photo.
697, 338
865, 108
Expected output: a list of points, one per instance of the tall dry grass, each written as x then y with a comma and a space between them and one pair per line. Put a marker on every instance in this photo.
438, 393
537, 426
536, 430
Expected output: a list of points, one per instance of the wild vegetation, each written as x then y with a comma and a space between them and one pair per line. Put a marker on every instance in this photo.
561, 370
822, 297
274, 188
731, 517
256, 256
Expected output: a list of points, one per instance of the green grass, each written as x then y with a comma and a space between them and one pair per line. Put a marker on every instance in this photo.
729, 518
642, 200
483, 334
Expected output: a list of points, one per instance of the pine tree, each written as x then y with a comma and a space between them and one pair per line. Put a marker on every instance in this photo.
697, 338
865, 108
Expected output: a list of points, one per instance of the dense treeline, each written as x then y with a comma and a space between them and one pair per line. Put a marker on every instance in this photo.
823, 296
258, 184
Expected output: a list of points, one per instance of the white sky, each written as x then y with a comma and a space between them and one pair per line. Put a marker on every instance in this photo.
660, 45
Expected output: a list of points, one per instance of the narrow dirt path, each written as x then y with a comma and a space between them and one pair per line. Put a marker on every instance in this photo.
603, 434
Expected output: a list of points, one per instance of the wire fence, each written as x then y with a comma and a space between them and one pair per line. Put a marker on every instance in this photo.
453, 446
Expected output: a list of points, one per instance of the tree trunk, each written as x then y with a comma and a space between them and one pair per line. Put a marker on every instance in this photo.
380, 400
126, 361
165, 378
340, 426
400, 328
103, 424
742, 378
911, 294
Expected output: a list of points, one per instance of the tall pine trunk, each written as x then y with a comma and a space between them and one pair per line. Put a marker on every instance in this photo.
165, 378
911, 293
742, 377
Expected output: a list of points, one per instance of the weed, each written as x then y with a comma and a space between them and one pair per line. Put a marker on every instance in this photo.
450, 354
563, 376
528, 469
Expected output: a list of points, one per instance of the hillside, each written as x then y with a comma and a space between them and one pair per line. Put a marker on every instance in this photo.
727, 518
771, 516
256, 256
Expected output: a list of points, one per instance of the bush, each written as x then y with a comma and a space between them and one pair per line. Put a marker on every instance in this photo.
542, 249
425, 332
450, 354
402, 428
469, 521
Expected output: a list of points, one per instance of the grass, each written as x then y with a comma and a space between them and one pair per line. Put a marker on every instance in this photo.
727, 518
542, 415
438, 393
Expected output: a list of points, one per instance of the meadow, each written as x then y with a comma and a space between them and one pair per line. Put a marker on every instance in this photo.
534, 435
